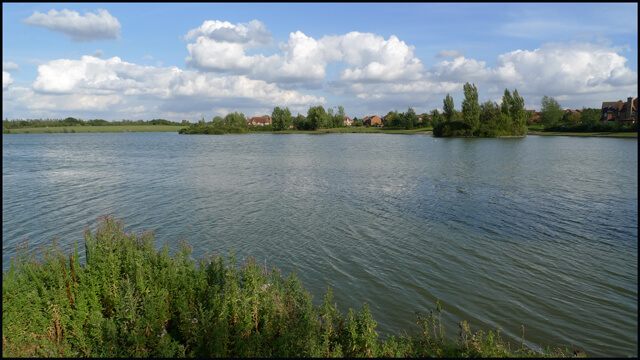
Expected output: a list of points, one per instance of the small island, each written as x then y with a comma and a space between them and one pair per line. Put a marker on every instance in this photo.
481, 120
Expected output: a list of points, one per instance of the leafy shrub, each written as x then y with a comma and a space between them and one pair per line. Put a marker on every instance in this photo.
130, 300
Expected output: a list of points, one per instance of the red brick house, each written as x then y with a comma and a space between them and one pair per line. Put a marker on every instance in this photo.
372, 120
259, 121
618, 111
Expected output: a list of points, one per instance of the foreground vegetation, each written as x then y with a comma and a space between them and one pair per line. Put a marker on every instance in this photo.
130, 300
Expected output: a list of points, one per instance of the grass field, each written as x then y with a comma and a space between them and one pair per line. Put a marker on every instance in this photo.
99, 129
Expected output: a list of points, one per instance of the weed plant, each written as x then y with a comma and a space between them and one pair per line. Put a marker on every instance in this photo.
130, 300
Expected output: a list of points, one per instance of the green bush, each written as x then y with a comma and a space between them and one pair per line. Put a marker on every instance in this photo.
130, 300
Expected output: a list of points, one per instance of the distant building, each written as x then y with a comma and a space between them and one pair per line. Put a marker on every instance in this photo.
533, 116
259, 121
618, 111
348, 121
372, 120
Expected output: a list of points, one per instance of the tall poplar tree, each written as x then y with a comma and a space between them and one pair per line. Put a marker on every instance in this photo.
506, 102
447, 108
517, 112
471, 108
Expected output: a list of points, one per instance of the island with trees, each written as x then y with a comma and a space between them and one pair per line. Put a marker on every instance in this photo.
481, 120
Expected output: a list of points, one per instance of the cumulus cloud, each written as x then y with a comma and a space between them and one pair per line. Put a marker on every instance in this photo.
94, 83
6, 80
374, 59
9, 66
565, 69
211, 55
98, 26
450, 54
252, 34
460, 69
369, 57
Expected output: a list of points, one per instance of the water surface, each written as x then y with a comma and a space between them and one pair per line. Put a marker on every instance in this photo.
540, 231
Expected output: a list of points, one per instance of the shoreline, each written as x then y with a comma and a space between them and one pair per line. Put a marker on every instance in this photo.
629, 135
171, 128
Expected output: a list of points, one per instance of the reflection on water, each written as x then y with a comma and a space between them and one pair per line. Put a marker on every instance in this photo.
540, 232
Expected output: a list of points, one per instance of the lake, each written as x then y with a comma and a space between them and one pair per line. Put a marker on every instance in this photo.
540, 231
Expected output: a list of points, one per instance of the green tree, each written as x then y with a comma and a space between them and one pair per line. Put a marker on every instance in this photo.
489, 114
393, 119
506, 102
281, 118
217, 121
317, 117
341, 111
518, 113
471, 108
448, 108
236, 120
551, 112
591, 116
302, 123
410, 119
436, 118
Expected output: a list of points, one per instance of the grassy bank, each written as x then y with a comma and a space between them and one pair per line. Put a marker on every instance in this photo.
130, 300
97, 129
631, 135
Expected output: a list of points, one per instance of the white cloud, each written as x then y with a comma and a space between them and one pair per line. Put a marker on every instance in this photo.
450, 54
98, 53
370, 57
559, 69
211, 55
94, 84
9, 66
374, 59
6, 80
252, 34
461, 70
98, 26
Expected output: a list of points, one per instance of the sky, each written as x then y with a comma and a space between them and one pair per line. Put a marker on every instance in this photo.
190, 61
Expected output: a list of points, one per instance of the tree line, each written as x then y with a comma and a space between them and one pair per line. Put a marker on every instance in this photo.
71, 121
554, 118
317, 117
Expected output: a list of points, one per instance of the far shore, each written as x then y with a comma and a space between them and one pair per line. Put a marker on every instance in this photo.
344, 130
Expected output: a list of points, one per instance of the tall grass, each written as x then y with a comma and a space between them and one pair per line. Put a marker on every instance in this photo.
130, 300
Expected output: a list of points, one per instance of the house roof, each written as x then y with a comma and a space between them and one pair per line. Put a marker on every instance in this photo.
606, 104
260, 119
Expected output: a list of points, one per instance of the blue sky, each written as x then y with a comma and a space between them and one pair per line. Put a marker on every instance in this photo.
187, 61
